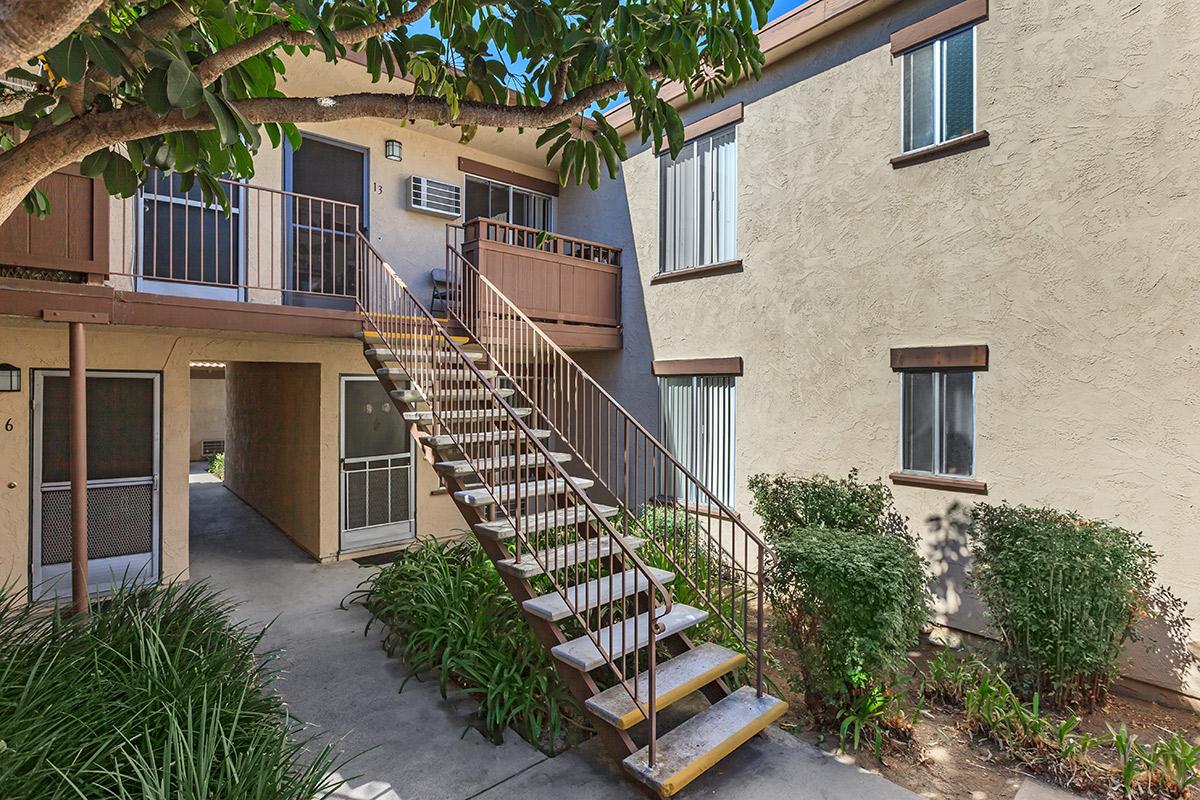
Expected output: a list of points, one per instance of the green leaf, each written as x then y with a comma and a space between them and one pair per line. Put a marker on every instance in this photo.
593, 166
119, 178
154, 91
93, 164
674, 128
226, 124
36, 203
68, 59
184, 89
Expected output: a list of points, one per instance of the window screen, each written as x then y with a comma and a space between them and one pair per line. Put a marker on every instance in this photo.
120, 430
938, 94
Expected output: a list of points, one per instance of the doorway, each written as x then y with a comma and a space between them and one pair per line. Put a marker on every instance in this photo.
124, 487
377, 475
329, 180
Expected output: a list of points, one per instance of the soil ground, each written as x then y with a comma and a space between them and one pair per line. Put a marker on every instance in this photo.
944, 762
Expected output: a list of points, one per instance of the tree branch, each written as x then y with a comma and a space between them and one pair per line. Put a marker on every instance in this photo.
215, 65
31, 27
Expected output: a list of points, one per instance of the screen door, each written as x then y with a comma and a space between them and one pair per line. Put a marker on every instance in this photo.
376, 468
124, 501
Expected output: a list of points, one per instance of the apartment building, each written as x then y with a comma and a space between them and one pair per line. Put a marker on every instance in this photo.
949, 244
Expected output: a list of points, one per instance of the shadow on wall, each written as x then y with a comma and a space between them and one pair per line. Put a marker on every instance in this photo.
1162, 656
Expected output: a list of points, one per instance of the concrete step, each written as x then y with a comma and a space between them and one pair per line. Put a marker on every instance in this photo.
673, 680
419, 358
449, 374
374, 337
423, 417
565, 555
574, 515
593, 594
452, 395
622, 638
511, 491
687, 751
464, 468
445, 441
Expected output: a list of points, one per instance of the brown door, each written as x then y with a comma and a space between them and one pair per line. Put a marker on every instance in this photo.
328, 209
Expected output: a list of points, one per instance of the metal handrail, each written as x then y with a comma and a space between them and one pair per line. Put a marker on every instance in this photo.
405, 327
508, 333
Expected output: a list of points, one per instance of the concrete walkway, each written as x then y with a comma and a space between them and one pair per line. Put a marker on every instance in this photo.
411, 745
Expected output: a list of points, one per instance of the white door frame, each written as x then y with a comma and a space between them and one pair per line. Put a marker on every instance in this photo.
353, 539
104, 574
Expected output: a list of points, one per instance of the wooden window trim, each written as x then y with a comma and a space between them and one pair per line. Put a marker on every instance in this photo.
958, 144
965, 13
925, 481
720, 268
968, 356
698, 366
730, 115
502, 175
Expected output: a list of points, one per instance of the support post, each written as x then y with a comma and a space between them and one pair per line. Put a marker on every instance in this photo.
78, 460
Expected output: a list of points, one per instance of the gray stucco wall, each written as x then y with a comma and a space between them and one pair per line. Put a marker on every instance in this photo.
1069, 245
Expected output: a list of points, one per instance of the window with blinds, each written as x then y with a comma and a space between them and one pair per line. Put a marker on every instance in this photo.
698, 427
938, 88
698, 198
937, 434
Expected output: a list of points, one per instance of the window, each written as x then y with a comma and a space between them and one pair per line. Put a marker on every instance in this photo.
698, 193
186, 239
938, 422
938, 88
506, 203
698, 429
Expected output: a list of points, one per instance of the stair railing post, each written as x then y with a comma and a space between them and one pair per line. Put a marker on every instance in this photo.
758, 634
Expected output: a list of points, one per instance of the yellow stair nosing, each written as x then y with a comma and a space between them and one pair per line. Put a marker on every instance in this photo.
635, 715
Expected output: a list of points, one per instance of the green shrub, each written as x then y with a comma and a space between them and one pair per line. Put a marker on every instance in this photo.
786, 503
847, 586
1066, 594
154, 696
851, 605
447, 611
216, 465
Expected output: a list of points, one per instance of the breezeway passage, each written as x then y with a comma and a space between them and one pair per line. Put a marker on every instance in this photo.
409, 745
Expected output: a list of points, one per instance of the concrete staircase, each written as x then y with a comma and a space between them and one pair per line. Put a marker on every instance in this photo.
566, 560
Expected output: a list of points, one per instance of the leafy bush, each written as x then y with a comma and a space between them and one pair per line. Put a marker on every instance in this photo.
786, 503
447, 611
850, 604
1066, 594
216, 465
154, 696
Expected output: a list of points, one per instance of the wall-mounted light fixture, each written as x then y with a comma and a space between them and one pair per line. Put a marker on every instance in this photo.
10, 378
393, 150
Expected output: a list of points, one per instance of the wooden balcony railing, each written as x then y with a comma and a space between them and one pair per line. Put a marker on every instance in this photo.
73, 237
551, 277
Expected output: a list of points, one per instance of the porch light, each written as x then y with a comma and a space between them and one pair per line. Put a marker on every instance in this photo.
393, 150
10, 378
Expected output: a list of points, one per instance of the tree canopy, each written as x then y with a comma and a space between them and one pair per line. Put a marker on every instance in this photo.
192, 86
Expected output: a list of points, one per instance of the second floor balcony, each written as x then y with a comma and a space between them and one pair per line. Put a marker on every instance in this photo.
281, 253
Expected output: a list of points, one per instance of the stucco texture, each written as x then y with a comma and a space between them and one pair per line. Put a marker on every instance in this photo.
208, 414
1067, 245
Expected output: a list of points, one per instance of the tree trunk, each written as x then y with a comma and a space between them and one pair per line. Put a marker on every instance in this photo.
31, 27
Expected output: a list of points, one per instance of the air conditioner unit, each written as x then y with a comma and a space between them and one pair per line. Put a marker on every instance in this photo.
434, 197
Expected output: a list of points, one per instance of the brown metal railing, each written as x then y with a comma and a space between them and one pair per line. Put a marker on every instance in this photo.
268, 245
708, 546
504, 451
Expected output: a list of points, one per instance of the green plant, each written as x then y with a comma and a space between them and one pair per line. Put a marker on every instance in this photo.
874, 711
949, 674
448, 612
156, 695
847, 586
786, 503
1066, 594
216, 465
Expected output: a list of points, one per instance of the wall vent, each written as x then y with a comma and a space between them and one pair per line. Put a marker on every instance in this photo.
211, 447
434, 197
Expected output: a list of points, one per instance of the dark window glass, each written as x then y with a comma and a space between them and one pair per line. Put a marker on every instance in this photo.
120, 440
918, 388
958, 84
373, 426
958, 423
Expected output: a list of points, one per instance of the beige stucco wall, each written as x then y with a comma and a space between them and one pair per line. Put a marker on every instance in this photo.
33, 344
1068, 246
273, 450
207, 414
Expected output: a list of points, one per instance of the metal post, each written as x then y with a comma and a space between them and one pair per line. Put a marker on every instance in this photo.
78, 461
